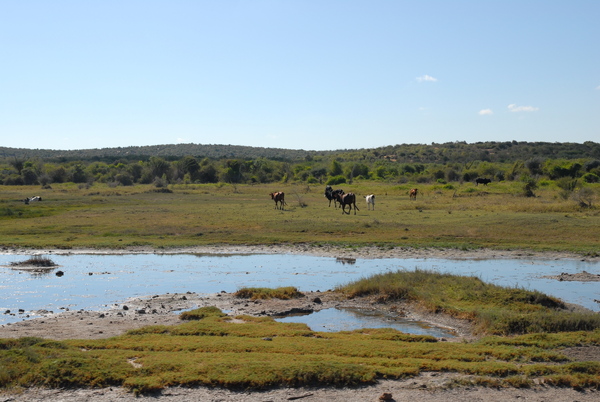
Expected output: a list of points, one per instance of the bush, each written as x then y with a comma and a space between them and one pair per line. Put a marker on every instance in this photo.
529, 184
590, 178
124, 179
335, 180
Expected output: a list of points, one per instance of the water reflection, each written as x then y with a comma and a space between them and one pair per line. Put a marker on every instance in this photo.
347, 319
344, 261
93, 282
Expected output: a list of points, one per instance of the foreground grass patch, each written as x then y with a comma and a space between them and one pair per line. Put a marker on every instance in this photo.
261, 353
494, 309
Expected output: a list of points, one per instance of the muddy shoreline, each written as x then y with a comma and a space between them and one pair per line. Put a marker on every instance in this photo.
370, 252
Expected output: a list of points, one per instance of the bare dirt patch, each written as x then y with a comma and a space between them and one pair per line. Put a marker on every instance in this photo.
577, 277
164, 309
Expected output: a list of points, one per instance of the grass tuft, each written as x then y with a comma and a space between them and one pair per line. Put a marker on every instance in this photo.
201, 313
284, 293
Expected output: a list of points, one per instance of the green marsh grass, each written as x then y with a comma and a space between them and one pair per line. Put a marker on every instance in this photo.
259, 353
284, 293
493, 309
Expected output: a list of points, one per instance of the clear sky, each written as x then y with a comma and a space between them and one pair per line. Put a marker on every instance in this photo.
300, 74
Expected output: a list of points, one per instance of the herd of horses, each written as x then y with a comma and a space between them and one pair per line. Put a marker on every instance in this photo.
338, 196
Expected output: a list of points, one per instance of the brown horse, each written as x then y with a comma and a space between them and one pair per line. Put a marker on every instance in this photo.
348, 199
413, 193
279, 198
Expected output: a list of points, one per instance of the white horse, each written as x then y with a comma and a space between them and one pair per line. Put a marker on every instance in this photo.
32, 199
370, 201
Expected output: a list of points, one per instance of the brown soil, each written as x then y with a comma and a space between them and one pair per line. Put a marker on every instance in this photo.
162, 309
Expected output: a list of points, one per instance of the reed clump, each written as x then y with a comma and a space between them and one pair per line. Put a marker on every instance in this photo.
283, 293
35, 261
200, 313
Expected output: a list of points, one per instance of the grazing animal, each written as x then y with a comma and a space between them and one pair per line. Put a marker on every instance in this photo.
370, 201
412, 194
279, 198
481, 180
332, 195
348, 199
32, 199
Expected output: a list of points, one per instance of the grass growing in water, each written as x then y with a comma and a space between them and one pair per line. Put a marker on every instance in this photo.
493, 309
35, 261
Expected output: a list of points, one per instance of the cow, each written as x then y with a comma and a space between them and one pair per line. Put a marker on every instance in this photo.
370, 201
332, 195
412, 194
347, 199
32, 199
279, 198
481, 180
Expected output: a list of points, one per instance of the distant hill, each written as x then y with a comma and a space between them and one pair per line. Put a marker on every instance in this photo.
167, 151
451, 152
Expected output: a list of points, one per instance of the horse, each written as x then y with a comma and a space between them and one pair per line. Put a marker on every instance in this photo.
32, 199
279, 198
332, 195
370, 201
348, 199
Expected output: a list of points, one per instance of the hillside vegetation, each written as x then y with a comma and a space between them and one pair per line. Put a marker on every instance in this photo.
194, 163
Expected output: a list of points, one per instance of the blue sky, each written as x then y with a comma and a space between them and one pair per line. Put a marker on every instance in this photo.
318, 75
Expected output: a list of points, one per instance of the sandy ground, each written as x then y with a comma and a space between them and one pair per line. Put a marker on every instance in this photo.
162, 309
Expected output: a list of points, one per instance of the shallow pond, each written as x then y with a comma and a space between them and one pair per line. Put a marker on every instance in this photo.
94, 282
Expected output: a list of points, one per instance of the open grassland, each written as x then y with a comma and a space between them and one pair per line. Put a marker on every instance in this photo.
462, 216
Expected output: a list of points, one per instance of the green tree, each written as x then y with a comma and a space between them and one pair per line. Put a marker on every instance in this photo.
336, 168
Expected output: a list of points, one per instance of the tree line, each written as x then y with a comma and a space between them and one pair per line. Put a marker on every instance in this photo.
442, 163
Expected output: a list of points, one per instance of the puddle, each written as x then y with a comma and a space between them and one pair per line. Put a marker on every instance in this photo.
335, 319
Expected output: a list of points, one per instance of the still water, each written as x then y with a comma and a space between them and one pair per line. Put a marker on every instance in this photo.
94, 282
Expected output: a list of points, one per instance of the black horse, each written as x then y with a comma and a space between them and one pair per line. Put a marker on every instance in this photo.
332, 195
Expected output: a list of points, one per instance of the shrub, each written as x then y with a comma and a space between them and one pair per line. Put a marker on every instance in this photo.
335, 180
590, 178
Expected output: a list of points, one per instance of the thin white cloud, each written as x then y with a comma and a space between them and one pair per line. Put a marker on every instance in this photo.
514, 108
485, 112
181, 141
426, 78
598, 87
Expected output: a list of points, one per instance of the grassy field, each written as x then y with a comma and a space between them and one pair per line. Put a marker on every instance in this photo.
458, 216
